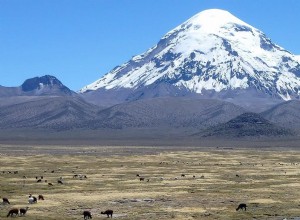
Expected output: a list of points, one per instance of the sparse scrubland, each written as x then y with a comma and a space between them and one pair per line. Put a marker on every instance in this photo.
187, 184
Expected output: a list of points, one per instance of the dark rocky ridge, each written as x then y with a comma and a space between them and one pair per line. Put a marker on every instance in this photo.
38, 86
45, 85
247, 125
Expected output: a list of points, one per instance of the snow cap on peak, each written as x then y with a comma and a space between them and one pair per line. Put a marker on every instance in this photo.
213, 19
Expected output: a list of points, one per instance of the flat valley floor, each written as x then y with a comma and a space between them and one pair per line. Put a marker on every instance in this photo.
179, 183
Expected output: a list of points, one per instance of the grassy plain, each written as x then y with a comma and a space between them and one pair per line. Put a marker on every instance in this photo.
215, 182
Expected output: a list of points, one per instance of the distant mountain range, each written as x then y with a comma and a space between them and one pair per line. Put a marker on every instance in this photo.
53, 106
203, 79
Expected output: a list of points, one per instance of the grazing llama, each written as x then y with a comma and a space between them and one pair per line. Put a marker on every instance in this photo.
32, 199
23, 211
13, 212
108, 213
241, 206
5, 201
87, 215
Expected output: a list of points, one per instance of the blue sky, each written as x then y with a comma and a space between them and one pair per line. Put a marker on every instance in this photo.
80, 40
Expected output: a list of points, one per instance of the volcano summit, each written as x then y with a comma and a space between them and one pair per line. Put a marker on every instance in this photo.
211, 55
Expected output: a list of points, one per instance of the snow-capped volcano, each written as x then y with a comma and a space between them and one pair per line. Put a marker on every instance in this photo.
212, 52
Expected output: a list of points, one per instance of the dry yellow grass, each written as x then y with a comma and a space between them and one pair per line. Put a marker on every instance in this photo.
268, 181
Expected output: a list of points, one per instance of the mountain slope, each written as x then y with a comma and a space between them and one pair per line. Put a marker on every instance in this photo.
48, 112
213, 54
286, 114
167, 113
9, 91
246, 125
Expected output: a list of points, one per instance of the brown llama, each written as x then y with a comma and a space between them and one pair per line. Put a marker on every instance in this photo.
5, 201
23, 211
241, 206
40, 197
87, 215
13, 212
108, 213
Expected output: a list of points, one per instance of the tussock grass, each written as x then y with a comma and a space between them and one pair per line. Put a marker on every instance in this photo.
268, 181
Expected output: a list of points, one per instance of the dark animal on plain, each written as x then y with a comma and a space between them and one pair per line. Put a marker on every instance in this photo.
182, 175
108, 213
16, 172
52, 171
39, 180
42, 177
5, 201
60, 182
138, 175
40, 197
50, 184
194, 176
142, 178
237, 175
23, 211
36, 177
13, 212
82, 177
75, 176
87, 215
32, 199
241, 206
